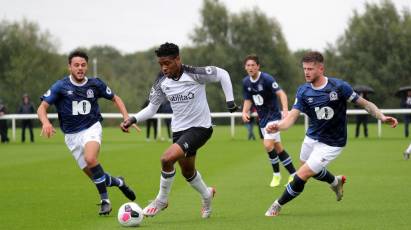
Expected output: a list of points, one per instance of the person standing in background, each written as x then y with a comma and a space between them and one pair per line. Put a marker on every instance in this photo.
26, 108
3, 124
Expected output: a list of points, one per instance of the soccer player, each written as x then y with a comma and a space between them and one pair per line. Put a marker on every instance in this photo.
184, 87
261, 90
324, 100
75, 98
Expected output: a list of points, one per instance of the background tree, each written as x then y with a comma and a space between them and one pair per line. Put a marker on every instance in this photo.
28, 62
375, 50
224, 39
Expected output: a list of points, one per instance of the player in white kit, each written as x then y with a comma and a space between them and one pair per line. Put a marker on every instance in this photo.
184, 87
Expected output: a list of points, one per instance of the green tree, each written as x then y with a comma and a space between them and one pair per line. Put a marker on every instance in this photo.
28, 62
375, 50
224, 39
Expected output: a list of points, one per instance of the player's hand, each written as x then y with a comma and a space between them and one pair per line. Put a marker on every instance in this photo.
231, 106
246, 117
390, 120
272, 128
127, 123
47, 130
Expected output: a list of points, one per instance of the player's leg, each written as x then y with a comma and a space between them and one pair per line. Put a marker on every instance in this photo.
318, 161
357, 125
285, 159
293, 189
274, 160
91, 151
194, 178
170, 156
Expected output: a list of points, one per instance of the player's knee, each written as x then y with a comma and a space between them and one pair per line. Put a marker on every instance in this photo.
91, 161
188, 173
166, 160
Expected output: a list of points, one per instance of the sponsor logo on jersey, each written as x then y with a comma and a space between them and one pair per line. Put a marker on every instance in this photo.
181, 98
333, 96
90, 93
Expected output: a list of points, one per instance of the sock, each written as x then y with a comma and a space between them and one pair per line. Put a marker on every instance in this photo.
274, 160
166, 181
196, 181
408, 149
292, 190
287, 162
326, 176
99, 179
113, 181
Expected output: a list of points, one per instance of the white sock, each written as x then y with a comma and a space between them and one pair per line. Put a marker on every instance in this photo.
165, 185
277, 174
408, 149
335, 182
198, 184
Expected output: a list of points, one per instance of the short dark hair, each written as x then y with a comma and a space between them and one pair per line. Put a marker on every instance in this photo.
77, 53
167, 49
252, 57
313, 56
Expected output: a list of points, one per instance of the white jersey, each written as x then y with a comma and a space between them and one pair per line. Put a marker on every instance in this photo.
187, 96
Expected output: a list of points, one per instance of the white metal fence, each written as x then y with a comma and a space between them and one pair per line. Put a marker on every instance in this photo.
160, 117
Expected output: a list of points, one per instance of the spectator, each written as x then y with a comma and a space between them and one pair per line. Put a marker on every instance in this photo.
3, 124
361, 119
166, 108
26, 108
406, 104
250, 125
149, 123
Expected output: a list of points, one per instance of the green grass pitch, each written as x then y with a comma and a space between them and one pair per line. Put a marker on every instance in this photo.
41, 186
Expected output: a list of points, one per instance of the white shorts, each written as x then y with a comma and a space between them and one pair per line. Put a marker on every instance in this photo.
271, 136
318, 155
76, 142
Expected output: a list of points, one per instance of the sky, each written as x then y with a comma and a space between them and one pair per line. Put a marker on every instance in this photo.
137, 25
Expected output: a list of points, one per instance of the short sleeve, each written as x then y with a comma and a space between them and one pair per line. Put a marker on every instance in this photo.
104, 90
348, 93
299, 101
273, 85
246, 92
52, 94
157, 96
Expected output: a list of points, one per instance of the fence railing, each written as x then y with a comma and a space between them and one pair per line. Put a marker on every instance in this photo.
160, 117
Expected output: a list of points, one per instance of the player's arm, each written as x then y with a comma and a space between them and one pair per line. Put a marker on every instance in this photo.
118, 102
246, 110
284, 124
283, 101
373, 110
148, 112
47, 128
224, 78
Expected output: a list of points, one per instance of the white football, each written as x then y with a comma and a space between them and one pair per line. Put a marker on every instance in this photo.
130, 214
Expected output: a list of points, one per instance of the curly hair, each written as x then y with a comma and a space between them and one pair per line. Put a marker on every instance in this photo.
77, 53
167, 49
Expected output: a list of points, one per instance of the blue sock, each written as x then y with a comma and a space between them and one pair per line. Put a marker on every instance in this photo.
99, 179
292, 190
